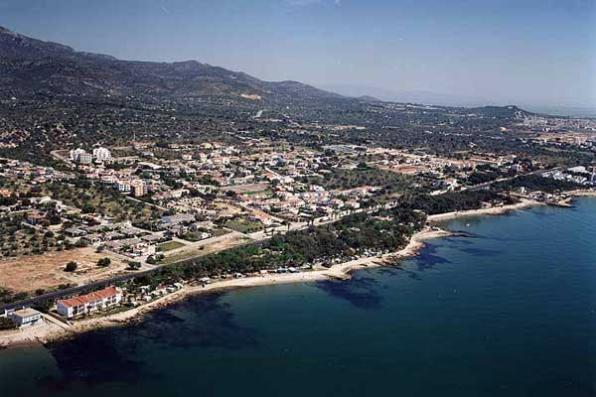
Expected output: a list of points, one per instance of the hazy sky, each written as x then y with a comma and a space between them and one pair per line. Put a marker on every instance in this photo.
541, 52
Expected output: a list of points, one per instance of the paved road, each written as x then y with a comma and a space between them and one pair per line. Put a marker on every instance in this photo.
489, 183
254, 238
73, 290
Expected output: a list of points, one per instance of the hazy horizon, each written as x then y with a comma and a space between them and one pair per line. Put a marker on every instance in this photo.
531, 53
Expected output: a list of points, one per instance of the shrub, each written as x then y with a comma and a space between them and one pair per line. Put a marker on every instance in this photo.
104, 262
6, 323
134, 265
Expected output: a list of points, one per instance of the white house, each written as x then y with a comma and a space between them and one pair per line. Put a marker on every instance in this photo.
101, 154
86, 304
76, 153
25, 317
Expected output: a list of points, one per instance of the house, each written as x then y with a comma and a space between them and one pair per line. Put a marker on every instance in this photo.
153, 238
25, 317
143, 249
139, 188
75, 232
89, 303
35, 217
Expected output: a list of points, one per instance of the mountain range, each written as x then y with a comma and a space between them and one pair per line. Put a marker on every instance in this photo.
34, 67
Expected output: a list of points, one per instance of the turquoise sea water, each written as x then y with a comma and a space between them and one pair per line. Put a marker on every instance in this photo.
509, 311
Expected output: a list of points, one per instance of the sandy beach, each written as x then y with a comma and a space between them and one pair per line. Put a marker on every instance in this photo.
525, 203
582, 193
53, 330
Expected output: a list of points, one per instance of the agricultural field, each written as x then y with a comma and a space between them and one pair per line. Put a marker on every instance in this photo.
243, 225
169, 245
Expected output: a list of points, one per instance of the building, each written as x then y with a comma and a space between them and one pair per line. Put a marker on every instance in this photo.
81, 156
138, 188
75, 232
86, 304
25, 317
123, 187
35, 217
86, 158
76, 153
102, 154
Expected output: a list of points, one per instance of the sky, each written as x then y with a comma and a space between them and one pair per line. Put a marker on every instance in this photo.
537, 52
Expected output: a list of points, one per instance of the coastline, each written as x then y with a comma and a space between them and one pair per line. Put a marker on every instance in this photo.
447, 216
582, 193
53, 330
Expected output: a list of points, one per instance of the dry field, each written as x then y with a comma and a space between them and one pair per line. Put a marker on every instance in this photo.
194, 250
249, 188
226, 209
47, 271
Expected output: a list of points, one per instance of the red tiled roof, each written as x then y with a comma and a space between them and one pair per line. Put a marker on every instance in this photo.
91, 297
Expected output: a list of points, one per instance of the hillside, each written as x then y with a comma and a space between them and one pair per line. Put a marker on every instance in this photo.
33, 67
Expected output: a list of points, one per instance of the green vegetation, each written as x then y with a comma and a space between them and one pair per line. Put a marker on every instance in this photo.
337, 178
155, 259
71, 266
104, 262
242, 225
89, 197
536, 182
452, 201
169, 245
16, 239
6, 323
134, 265
350, 236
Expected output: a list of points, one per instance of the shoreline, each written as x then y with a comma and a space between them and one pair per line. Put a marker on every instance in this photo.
448, 216
523, 204
52, 330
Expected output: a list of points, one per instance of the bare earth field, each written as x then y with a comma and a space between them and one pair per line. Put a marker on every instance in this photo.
205, 247
47, 271
249, 188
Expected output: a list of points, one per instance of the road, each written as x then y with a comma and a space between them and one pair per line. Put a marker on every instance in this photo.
252, 238
73, 290
489, 183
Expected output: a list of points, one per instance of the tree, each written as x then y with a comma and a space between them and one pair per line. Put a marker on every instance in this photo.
154, 259
71, 266
134, 265
104, 262
87, 208
6, 323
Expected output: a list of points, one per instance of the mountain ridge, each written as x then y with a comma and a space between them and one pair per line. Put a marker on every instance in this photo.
31, 66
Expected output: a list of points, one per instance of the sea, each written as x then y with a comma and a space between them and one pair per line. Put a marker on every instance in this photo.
507, 310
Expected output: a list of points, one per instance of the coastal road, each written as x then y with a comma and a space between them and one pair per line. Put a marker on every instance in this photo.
489, 183
67, 292
252, 239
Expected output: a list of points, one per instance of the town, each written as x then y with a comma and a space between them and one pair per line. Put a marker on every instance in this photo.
103, 218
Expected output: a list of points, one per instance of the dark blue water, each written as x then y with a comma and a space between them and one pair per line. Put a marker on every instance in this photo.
509, 311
